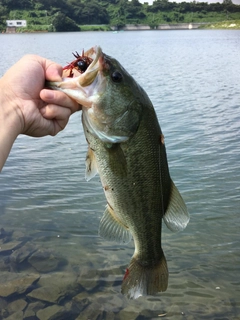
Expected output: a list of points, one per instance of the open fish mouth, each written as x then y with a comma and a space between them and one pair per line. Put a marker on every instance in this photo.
79, 75
85, 66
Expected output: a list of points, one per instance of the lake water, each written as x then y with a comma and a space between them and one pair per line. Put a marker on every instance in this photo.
51, 213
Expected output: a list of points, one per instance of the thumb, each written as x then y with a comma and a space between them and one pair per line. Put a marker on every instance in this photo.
53, 71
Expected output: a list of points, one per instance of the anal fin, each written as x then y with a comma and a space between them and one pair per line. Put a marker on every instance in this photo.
176, 216
112, 229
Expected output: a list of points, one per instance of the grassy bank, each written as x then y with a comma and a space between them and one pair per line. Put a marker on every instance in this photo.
49, 28
229, 25
95, 27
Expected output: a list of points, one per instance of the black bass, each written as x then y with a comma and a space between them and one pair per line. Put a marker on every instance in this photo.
126, 147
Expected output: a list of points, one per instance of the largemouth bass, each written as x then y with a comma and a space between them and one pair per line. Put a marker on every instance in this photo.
126, 147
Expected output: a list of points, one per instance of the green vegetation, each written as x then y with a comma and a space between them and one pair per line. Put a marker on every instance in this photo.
229, 24
75, 15
98, 27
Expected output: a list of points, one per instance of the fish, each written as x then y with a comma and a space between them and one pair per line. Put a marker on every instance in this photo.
126, 147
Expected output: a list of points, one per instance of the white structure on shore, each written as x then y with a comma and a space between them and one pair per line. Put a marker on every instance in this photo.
16, 23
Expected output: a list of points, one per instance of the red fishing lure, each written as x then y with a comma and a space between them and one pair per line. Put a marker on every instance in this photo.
80, 64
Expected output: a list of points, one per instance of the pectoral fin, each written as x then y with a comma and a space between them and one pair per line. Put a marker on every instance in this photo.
112, 229
176, 217
91, 165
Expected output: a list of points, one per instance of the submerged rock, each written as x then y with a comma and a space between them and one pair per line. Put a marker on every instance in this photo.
5, 236
44, 260
89, 278
9, 246
16, 284
51, 313
4, 264
57, 312
33, 308
81, 301
17, 305
72, 310
55, 287
97, 306
15, 316
3, 308
93, 312
124, 314
19, 255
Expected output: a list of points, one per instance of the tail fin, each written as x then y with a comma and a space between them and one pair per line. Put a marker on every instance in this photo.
140, 280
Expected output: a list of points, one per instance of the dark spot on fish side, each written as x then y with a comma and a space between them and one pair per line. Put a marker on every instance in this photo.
161, 139
107, 188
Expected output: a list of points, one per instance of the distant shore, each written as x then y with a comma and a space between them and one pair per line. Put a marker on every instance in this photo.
166, 26
229, 25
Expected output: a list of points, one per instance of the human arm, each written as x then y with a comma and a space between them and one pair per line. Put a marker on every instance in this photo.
26, 107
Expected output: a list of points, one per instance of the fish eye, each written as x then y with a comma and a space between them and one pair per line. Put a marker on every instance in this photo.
116, 76
82, 65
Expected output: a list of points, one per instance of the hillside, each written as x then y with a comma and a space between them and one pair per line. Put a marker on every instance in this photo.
74, 15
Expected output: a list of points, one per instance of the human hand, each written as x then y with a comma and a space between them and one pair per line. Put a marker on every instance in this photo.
37, 111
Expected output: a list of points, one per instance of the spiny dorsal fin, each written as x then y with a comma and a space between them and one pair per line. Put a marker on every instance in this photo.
176, 217
112, 229
91, 165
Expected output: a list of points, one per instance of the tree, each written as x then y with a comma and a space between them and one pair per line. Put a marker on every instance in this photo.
227, 2
3, 17
136, 3
94, 13
62, 23
161, 5
16, 4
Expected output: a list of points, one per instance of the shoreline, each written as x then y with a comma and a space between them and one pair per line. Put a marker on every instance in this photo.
165, 26
227, 25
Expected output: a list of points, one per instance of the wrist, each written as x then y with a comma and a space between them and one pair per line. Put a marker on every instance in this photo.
10, 123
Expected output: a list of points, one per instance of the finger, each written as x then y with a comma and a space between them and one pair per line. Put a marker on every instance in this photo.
59, 98
52, 111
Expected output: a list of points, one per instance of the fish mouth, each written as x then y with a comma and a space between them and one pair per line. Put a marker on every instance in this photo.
85, 67
77, 79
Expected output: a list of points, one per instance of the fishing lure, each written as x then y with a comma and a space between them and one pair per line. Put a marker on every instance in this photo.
80, 64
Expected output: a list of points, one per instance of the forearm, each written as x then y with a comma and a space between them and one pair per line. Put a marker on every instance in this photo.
9, 126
